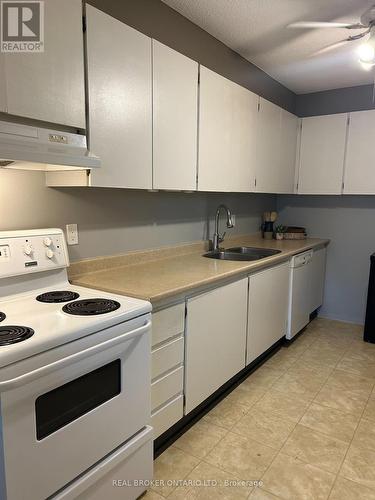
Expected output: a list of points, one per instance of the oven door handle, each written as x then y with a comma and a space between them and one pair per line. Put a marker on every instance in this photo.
6, 385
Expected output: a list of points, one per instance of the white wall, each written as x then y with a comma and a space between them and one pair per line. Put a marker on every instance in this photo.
349, 221
113, 221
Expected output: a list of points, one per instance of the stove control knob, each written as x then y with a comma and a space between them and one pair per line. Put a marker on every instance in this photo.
28, 249
47, 241
50, 253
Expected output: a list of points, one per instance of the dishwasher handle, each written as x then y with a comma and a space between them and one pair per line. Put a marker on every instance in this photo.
302, 259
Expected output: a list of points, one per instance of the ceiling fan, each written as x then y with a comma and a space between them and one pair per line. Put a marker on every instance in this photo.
366, 23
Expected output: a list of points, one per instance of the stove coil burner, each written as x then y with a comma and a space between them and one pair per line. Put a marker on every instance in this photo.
2, 316
91, 307
13, 334
58, 296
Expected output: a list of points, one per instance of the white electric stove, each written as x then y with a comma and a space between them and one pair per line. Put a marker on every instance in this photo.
74, 379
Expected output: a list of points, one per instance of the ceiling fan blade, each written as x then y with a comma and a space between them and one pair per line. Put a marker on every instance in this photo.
318, 24
329, 48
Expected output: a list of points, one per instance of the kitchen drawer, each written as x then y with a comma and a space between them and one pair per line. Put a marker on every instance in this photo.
166, 387
168, 323
167, 357
168, 415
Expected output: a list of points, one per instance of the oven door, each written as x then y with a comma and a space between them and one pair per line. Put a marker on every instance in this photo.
77, 405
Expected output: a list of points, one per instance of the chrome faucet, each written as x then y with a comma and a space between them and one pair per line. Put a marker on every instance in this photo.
217, 239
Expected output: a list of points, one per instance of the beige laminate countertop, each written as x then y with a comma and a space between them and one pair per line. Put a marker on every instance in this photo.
165, 275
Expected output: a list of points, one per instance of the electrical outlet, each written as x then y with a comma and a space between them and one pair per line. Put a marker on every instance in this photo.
72, 234
234, 220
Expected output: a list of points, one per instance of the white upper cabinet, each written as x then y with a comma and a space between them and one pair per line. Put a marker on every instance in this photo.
360, 161
175, 119
288, 150
49, 86
276, 149
120, 102
322, 152
227, 134
268, 146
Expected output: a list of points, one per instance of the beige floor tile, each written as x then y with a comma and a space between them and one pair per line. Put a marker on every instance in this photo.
319, 357
314, 371
282, 405
200, 439
261, 494
245, 458
357, 363
335, 345
297, 384
282, 360
365, 435
359, 466
174, 464
315, 448
348, 401
369, 412
152, 495
246, 394
303, 367
265, 428
350, 381
264, 376
292, 479
226, 414
217, 484
348, 490
329, 421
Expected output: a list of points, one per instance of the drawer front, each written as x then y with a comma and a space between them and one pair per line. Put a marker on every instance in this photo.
168, 386
167, 357
168, 415
168, 323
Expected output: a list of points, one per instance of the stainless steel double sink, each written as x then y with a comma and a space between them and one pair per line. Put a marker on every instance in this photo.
242, 253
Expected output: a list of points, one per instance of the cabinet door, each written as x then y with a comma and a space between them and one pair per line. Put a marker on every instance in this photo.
317, 270
227, 134
49, 86
120, 118
175, 119
322, 154
268, 147
276, 149
288, 149
268, 309
215, 340
360, 162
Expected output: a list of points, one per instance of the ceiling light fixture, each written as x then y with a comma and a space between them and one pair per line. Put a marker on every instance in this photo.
366, 51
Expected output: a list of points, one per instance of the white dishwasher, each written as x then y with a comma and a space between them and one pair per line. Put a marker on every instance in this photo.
300, 292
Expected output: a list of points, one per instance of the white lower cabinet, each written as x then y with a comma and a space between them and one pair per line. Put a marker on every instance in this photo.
167, 358
268, 308
215, 340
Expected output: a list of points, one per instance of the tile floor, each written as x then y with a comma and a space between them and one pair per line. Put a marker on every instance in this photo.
303, 424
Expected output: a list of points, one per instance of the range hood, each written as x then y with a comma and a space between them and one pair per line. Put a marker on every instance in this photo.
27, 147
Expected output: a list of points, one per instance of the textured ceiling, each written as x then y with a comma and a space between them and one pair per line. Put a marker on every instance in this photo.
256, 29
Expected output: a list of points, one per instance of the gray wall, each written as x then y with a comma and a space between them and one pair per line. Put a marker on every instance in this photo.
158, 20
336, 101
349, 221
113, 221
